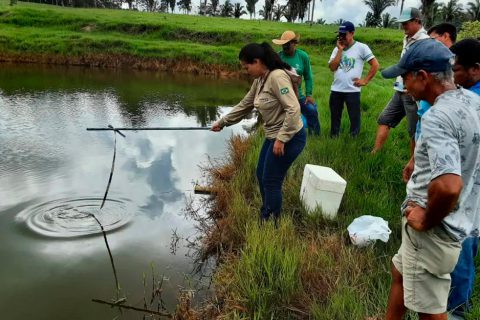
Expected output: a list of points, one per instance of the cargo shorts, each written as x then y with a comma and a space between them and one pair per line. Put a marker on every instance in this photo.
425, 260
401, 105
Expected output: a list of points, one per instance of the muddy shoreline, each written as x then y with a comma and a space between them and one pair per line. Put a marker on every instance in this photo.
116, 61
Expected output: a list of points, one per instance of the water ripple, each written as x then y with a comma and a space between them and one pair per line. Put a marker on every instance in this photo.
68, 217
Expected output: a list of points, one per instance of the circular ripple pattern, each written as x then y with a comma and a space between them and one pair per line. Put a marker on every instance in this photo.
66, 218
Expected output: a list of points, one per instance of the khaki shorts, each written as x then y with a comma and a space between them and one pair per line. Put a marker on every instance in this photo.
425, 260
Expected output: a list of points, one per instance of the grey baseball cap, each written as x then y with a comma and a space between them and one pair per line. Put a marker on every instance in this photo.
410, 14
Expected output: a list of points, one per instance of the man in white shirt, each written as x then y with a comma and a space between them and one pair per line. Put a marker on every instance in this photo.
346, 62
402, 104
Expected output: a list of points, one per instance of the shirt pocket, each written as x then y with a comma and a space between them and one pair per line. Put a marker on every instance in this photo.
266, 104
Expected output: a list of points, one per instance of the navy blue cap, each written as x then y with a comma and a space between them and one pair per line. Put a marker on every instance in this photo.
345, 27
428, 54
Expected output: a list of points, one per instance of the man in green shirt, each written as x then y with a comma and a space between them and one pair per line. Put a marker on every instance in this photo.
300, 61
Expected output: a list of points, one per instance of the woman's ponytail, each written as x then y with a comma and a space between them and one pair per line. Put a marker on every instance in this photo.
264, 52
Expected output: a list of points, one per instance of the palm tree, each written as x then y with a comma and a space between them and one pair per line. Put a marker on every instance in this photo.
302, 8
171, 4
185, 5
291, 11
321, 21
428, 11
251, 7
388, 21
226, 9
377, 7
213, 7
150, 5
163, 6
435, 13
267, 9
202, 8
451, 11
474, 10
238, 10
313, 10
339, 21
262, 13
278, 12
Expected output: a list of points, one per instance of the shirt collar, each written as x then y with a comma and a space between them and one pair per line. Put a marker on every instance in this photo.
417, 35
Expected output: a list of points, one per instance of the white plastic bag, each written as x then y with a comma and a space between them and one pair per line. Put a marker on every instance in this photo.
367, 229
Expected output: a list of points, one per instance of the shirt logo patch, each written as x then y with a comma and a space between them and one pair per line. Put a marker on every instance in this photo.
347, 64
284, 90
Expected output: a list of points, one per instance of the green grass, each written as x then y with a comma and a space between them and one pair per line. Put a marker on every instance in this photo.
306, 266
29, 28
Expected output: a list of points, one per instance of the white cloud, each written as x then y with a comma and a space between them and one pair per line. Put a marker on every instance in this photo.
356, 10
332, 10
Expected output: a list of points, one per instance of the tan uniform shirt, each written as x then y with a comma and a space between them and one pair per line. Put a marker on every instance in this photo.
277, 104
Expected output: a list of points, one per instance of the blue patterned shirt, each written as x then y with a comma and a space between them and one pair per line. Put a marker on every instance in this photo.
450, 144
423, 107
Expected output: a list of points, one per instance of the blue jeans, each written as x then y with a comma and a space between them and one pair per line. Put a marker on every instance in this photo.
309, 111
271, 171
463, 278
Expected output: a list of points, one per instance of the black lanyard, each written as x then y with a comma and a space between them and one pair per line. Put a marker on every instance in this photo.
263, 83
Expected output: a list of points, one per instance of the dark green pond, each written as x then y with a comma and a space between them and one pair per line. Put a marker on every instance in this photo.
53, 174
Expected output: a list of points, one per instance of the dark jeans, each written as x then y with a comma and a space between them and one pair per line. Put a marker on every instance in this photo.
337, 100
271, 171
310, 113
463, 278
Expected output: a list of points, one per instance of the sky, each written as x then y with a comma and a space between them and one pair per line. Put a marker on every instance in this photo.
355, 10
332, 10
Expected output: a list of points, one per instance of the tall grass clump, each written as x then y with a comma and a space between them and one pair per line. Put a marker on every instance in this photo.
267, 273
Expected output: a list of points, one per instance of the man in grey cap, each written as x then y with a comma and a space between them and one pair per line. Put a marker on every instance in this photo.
442, 206
401, 105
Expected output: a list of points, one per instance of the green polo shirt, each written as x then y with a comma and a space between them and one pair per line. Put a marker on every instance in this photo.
301, 63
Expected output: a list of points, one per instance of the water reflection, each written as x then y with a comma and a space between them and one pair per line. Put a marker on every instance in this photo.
140, 95
51, 168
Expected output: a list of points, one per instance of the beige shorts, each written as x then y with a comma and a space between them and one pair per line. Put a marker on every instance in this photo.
425, 260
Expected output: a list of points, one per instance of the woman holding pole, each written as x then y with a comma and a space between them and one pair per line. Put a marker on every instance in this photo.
273, 94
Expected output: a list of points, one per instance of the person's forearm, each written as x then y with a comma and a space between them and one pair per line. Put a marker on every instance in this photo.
371, 73
373, 70
235, 115
308, 76
333, 65
443, 194
308, 87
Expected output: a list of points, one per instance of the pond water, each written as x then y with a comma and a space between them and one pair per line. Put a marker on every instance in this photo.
53, 175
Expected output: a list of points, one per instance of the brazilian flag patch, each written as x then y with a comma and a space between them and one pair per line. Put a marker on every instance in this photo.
284, 90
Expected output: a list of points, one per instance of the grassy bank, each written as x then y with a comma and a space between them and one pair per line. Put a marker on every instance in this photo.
51, 34
306, 267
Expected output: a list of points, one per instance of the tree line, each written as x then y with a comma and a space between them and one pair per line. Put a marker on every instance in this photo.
292, 11
433, 12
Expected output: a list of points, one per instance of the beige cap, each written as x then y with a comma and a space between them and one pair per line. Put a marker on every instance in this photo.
286, 37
